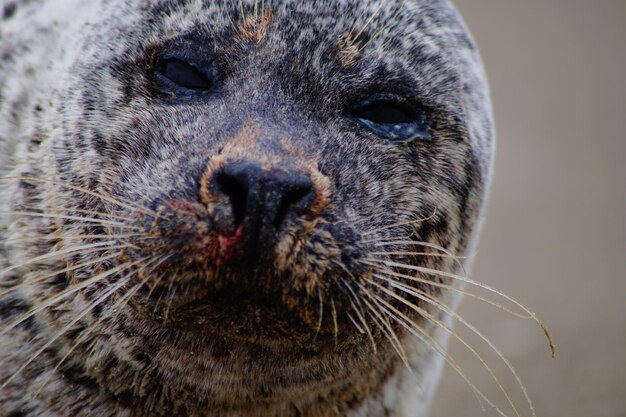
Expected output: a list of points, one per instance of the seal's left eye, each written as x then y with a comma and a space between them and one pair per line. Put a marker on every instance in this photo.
184, 75
393, 119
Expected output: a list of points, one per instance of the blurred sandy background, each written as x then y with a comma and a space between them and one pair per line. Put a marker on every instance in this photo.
555, 236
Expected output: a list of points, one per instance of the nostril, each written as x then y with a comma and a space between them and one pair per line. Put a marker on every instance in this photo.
262, 199
237, 193
296, 197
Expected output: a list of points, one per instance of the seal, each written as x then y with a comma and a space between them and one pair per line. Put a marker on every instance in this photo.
253, 208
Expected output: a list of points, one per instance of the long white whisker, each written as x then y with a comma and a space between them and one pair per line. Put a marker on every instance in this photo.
335, 322
439, 248
87, 310
356, 324
451, 288
431, 300
65, 251
83, 190
43, 210
407, 223
321, 314
41, 278
431, 271
49, 237
75, 218
447, 328
427, 254
386, 329
129, 294
66, 293
356, 309
370, 20
423, 336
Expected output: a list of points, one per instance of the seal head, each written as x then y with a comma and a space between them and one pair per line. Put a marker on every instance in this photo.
231, 204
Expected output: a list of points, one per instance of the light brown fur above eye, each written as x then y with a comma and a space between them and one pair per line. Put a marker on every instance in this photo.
349, 51
255, 27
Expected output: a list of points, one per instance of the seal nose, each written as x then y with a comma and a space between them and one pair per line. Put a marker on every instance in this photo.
263, 199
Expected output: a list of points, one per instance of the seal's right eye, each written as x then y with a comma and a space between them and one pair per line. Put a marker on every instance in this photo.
393, 118
183, 75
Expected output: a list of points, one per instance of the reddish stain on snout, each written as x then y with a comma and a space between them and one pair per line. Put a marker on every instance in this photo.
228, 244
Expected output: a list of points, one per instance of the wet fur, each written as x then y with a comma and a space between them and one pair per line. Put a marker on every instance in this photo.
78, 106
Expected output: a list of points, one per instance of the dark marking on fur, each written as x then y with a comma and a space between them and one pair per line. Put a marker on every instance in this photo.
9, 10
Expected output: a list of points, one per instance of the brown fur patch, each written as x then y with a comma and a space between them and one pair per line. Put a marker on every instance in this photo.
254, 28
349, 52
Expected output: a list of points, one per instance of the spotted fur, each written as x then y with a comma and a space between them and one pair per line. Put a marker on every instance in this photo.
79, 110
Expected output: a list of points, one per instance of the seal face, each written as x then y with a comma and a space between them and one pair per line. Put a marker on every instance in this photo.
234, 208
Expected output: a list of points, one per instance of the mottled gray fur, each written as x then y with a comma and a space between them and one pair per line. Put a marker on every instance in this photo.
79, 110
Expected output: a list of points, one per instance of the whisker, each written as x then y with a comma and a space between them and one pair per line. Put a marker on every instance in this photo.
451, 288
358, 300
382, 242
158, 301
48, 238
357, 325
75, 218
66, 251
457, 259
425, 338
365, 325
170, 296
66, 293
381, 30
431, 300
129, 294
155, 285
321, 314
370, 20
87, 310
73, 210
386, 329
428, 254
439, 248
106, 215
129, 205
447, 328
41, 278
335, 323
407, 223
431, 271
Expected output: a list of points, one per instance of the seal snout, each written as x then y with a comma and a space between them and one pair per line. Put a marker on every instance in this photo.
259, 203
262, 200
262, 187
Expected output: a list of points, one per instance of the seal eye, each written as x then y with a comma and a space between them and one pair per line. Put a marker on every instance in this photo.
392, 118
184, 74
